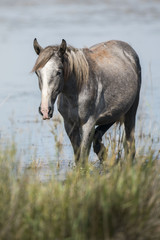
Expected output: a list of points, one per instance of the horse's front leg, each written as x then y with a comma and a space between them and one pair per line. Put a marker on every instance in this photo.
88, 130
74, 135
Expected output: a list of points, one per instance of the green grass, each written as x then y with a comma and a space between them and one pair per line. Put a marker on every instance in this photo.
121, 202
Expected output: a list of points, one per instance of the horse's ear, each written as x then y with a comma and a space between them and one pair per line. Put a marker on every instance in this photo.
62, 48
37, 47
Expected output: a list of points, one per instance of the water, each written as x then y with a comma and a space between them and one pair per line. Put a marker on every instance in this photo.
80, 23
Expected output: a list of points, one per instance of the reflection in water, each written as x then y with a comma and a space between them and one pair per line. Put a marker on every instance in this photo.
81, 23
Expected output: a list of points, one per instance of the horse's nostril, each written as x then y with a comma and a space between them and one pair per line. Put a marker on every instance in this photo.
39, 109
49, 110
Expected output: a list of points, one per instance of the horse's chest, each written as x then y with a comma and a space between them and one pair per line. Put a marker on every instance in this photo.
76, 110
68, 109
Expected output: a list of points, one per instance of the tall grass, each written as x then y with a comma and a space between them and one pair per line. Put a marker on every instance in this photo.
121, 202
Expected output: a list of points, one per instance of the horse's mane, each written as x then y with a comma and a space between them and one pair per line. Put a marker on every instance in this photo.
44, 57
74, 62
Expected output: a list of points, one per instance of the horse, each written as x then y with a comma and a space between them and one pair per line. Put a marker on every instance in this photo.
95, 87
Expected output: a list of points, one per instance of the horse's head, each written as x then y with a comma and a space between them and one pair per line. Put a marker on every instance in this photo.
49, 69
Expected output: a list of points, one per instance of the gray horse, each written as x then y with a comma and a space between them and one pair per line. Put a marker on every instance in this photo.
95, 86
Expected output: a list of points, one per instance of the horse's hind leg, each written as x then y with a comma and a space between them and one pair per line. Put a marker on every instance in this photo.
129, 123
98, 146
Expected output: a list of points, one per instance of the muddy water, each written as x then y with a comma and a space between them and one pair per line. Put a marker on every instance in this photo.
81, 23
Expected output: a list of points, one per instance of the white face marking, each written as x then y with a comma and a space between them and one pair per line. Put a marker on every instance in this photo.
46, 73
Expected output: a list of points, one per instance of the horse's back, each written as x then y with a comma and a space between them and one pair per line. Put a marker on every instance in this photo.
111, 50
113, 45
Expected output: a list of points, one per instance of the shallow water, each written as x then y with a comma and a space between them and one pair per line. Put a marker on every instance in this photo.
81, 23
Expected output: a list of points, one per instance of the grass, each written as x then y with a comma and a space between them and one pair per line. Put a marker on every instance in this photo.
120, 202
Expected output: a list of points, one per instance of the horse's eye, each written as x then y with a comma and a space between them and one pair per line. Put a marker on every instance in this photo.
58, 73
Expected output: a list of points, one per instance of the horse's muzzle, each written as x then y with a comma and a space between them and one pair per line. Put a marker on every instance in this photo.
45, 114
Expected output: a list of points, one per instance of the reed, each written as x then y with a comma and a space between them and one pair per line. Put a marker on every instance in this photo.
116, 202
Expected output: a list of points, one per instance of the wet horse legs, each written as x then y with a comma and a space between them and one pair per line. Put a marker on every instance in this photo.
129, 124
74, 136
98, 146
